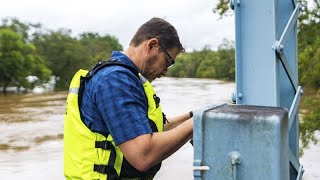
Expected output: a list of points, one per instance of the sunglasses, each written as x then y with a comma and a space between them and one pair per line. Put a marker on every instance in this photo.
170, 60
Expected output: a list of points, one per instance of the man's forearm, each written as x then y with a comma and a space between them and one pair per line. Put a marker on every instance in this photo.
174, 138
176, 121
147, 150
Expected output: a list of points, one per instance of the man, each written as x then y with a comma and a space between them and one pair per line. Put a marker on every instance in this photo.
116, 130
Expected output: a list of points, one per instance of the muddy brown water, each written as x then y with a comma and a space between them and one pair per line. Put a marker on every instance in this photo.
31, 127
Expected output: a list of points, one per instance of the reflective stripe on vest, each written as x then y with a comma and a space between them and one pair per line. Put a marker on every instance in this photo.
90, 155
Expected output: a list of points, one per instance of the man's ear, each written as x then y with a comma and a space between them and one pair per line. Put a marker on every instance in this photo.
152, 43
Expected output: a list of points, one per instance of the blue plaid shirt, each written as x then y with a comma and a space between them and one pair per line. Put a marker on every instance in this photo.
114, 102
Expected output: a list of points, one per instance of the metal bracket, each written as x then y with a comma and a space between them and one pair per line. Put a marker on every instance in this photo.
278, 46
201, 168
292, 20
235, 161
300, 173
294, 106
288, 70
295, 163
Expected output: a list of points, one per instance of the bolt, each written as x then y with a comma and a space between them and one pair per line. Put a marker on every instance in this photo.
281, 47
238, 2
231, 4
301, 91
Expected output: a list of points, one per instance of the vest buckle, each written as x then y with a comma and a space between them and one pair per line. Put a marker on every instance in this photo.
105, 145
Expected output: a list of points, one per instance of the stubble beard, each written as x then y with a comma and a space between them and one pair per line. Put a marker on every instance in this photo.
147, 72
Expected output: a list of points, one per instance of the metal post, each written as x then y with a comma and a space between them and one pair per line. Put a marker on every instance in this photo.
266, 59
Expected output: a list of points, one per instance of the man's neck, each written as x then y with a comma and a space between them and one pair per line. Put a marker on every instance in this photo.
135, 56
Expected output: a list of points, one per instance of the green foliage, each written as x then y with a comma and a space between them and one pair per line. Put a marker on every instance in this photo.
226, 61
206, 63
309, 44
18, 60
310, 11
309, 68
310, 120
183, 66
16, 26
63, 54
99, 47
45, 51
309, 62
222, 8
207, 68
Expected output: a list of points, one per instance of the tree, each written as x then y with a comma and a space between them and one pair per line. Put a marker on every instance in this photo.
57, 50
18, 60
225, 64
63, 54
309, 68
310, 121
100, 47
206, 63
309, 43
207, 68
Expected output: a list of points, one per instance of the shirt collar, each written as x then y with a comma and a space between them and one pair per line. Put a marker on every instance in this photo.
119, 56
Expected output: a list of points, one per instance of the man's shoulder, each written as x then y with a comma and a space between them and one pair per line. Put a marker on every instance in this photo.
117, 70
112, 75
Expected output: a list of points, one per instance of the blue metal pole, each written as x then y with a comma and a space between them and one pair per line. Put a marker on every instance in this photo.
266, 59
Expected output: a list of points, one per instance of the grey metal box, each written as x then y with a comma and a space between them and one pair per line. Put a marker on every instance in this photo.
241, 142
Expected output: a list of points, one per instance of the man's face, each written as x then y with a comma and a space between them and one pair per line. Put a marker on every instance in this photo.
159, 61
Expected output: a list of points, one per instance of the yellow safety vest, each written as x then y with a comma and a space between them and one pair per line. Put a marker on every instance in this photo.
89, 155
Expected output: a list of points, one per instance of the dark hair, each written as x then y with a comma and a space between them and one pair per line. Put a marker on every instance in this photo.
157, 28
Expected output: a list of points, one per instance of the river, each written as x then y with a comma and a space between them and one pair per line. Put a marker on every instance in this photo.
31, 126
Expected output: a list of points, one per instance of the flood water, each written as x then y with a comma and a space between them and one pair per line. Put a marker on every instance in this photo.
31, 127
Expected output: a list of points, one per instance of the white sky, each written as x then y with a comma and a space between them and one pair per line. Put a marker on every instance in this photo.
194, 20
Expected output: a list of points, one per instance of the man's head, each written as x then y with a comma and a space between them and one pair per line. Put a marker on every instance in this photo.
160, 29
158, 44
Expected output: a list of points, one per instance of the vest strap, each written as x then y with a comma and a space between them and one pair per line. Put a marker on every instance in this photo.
105, 169
105, 145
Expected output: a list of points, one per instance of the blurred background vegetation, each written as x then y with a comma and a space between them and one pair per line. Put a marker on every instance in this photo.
29, 49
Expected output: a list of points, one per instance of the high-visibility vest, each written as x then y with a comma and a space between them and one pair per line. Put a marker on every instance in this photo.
90, 155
